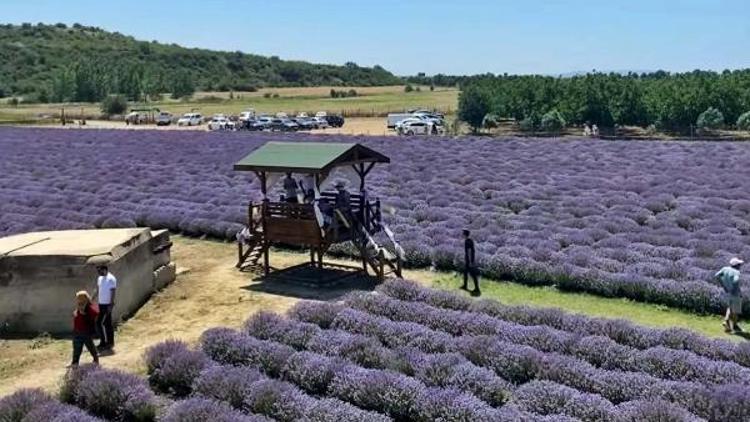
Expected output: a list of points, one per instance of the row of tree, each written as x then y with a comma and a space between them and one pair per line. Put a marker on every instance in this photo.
671, 102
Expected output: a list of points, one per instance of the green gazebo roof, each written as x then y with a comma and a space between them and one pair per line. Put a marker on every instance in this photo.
307, 157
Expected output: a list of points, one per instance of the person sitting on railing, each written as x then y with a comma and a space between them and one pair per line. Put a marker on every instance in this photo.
327, 211
290, 189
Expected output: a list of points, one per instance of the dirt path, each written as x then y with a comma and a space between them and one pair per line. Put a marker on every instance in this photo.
208, 292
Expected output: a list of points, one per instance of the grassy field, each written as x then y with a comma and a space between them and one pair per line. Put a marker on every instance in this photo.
581, 303
371, 101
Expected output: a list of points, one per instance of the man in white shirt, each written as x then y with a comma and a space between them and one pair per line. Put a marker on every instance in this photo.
107, 286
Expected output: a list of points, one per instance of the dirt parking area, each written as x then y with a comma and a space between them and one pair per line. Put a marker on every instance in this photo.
374, 126
208, 292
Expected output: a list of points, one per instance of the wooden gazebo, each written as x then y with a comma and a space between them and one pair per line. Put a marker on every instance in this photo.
305, 224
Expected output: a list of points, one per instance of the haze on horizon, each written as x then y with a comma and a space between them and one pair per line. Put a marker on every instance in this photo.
467, 37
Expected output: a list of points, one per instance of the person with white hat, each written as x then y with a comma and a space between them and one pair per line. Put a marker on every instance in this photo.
729, 277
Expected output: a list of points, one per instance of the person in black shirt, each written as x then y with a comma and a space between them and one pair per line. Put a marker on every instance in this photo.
470, 266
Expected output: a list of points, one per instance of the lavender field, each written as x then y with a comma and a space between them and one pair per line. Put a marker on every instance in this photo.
650, 221
407, 353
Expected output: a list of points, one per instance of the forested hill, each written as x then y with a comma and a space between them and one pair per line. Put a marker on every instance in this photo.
33, 59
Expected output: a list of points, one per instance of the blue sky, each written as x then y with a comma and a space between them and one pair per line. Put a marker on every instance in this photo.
453, 37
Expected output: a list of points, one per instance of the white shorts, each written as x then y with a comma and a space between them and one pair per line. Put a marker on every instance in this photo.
735, 304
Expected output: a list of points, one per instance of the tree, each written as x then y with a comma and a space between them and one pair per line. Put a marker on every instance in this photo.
552, 121
473, 105
743, 122
182, 85
710, 119
114, 104
408, 88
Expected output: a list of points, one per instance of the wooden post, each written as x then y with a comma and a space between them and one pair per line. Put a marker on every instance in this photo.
264, 208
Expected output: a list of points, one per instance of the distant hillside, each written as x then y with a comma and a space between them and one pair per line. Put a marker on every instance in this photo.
34, 58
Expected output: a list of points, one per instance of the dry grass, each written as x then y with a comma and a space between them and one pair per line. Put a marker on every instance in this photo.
372, 101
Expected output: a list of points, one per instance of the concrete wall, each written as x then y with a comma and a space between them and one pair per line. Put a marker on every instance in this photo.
37, 293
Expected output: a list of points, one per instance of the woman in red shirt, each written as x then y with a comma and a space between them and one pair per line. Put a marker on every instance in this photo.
84, 327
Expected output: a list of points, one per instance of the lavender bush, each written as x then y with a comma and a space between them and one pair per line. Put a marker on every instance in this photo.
649, 221
15, 407
202, 409
110, 394
172, 368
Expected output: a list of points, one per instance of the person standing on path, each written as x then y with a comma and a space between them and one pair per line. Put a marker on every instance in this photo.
107, 287
730, 280
470, 264
84, 327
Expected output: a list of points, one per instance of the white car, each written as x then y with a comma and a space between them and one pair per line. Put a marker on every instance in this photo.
135, 118
190, 119
247, 115
220, 122
417, 127
164, 119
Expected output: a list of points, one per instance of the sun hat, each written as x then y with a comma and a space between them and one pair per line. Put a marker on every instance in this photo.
735, 261
82, 294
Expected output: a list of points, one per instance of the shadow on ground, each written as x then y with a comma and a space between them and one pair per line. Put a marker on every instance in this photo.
308, 282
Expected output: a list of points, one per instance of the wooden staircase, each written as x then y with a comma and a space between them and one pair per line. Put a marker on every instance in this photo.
251, 249
382, 261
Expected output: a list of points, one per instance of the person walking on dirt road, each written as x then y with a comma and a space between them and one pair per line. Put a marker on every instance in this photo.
84, 327
107, 286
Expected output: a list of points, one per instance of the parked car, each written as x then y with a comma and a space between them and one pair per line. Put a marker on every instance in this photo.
284, 125
260, 123
190, 119
320, 122
394, 118
246, 115
136, 118
417, 127
305, 123
164, 119
220, 122
334, 121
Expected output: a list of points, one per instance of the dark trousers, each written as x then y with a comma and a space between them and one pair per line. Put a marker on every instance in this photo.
104, 326
471, 270
83, 340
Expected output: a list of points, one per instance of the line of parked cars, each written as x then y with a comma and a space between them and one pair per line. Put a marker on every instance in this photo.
282, 122
417, 122
247, 120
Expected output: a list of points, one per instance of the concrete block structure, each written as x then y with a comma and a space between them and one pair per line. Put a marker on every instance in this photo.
40, 273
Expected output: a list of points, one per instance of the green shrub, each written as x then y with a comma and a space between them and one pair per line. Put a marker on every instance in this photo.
712, 118
267, 95
743, 122
490, 121
473, 105
552, 121
408, 88
529, 123
114, 104
351, 93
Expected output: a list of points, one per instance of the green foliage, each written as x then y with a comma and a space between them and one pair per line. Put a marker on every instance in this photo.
114, 104
712, 118
743, 122
552, 121
473, 105
182, 85
408, 88
668, 101
343, 94
530, 123
86, 63
490, 121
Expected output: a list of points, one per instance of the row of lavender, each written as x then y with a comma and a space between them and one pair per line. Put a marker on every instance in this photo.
650, 221
408, 353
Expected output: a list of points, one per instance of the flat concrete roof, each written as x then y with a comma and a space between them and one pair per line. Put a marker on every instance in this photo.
85, 243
